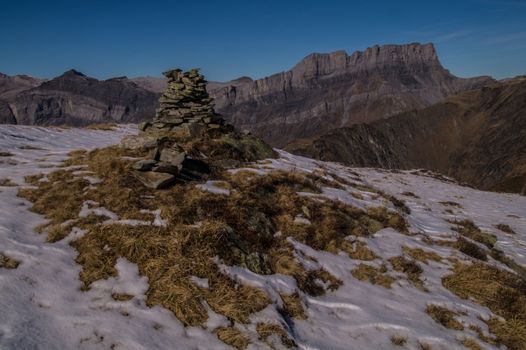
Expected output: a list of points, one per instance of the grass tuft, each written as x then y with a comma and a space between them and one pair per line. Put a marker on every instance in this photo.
233, 337
444, 316
7, 262
373, 275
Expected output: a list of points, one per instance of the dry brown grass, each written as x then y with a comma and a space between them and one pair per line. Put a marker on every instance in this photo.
233, 337
422, 255
471, 344
7, 262
470, 249
103, 126
6, 182
468, 229
444, 316
410, 268
502, 292
374, 275
239, 229
398, 203
121, 296
398, 340
293, 307
505, 228
265, 330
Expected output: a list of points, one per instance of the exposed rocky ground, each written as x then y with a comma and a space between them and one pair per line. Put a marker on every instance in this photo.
477, 137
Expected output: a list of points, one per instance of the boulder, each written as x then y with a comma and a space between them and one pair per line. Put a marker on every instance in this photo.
142, 141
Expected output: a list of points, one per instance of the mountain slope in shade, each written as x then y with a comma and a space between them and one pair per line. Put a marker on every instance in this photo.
10, 86
327, 91
76, 99
478, 137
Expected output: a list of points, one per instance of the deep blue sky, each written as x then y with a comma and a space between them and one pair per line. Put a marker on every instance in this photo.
228, 39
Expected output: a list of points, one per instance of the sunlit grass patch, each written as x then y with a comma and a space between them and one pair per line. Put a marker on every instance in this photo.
233, 337
7, 262
503, 292
470, 343
398, 340
422, 255
444, 316
266, 330
410, 268
102, 126
468, 229
374, 275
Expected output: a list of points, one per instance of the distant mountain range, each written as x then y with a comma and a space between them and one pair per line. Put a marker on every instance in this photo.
74, 99
392, 106
478, 136
322, 92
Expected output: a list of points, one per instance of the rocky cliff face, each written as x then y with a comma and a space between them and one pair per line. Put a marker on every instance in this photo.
76, 99
321, 93
10, 86
327, 91
476, 136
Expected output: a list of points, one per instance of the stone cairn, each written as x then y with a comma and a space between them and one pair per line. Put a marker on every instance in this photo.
184, 102
184, 108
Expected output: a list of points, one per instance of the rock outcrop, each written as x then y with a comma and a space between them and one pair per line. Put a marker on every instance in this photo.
327, 91
187, 140
477, 137
10, 86
75, 99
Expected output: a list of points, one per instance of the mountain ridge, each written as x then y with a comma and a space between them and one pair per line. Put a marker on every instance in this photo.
326, 91
476, 137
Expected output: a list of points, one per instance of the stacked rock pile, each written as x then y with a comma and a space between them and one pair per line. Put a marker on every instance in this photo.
186, 118
185, 101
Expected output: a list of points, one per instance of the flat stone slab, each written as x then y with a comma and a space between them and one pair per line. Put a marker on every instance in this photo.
154, 180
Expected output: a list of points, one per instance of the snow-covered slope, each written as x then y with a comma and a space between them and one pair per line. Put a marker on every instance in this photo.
42, 306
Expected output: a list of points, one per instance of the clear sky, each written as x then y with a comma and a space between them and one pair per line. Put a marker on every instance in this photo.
231, 38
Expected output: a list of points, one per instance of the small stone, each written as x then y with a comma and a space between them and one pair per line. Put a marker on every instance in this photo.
144, 164
172, 156
154, 180
142, 141
194, 129
163, 167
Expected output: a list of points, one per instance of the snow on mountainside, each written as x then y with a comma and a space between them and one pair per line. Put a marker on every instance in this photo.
388, 300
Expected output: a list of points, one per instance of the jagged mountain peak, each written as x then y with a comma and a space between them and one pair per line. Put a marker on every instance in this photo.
340, 61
